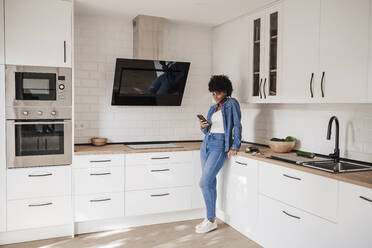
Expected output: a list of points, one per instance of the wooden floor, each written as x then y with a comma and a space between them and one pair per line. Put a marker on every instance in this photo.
170, 235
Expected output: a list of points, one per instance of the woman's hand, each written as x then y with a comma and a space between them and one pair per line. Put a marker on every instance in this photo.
232, 152
203, 124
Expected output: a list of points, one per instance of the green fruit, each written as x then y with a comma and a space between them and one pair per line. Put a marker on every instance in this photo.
305, 154
289, 138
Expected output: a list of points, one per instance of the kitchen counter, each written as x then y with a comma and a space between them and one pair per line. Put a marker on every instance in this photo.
123, 149
363, 178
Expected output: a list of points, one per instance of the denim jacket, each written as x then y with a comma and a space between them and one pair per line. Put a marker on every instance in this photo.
231, 122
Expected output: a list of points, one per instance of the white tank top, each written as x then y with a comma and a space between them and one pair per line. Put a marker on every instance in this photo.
217, 123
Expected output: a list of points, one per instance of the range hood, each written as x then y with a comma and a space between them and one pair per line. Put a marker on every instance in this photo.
148, 37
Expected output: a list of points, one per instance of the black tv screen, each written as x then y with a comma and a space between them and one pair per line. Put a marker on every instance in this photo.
149, 82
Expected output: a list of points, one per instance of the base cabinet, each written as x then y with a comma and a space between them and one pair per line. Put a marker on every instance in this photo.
355, 216
241, 195
282, 226
38, 212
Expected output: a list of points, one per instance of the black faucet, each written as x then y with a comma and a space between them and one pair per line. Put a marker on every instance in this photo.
336, 154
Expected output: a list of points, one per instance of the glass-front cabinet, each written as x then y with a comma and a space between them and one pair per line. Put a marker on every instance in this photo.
265, 38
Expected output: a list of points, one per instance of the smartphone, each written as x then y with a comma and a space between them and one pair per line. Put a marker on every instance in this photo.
201, 117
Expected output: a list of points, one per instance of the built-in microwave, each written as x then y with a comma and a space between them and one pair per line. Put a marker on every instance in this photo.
38, 86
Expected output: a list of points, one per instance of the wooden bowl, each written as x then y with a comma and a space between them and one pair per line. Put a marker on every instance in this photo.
281, 146
98, 141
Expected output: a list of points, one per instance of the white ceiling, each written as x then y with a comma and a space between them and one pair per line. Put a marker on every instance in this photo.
209, 12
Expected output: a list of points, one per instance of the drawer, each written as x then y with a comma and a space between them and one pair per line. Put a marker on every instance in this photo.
157, 201
158, 176
99, 180
38, 212
316, 194
153, 158
38, 182
98, 161
283, 226
99, 206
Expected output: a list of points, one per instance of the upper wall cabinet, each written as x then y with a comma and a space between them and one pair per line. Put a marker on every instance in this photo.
38, 32
325, 50
2, 32
265, 49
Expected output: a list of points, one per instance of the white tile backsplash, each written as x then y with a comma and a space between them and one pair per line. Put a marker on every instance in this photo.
99, 41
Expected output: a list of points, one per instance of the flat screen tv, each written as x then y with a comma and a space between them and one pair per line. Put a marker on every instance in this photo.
149, 82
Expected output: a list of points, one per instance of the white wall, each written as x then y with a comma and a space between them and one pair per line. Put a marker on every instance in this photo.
308, 123
98, 42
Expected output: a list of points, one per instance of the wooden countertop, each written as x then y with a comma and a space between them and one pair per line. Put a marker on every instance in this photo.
123, 149
363, 178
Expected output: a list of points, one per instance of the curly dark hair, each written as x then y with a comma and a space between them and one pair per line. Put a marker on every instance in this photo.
220, 83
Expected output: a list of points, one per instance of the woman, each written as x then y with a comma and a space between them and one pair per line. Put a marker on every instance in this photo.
222, 140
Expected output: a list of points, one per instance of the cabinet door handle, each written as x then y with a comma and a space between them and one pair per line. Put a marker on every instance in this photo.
322, 84
100, 161
291, 215
241, 163
40, 205
264, 88
100, 174
101, 200
296, 178
311, 85
160, 195
259, 89
64, 51
365, 198
40, 175
161, 158
160, 170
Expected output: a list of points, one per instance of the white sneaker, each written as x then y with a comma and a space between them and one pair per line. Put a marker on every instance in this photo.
207, 227
201, 224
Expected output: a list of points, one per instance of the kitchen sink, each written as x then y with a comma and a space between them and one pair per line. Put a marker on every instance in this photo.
337, 167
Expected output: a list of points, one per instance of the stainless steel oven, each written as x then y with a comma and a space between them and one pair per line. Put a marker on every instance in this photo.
38, 86
38, 142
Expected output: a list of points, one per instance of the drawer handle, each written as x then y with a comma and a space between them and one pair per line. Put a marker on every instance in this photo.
296, 178
290, 215
100, 174
161, 158
40, 205
160, 170
241, 163
40, 175
100, 161
365, 198
160, 195
101, 200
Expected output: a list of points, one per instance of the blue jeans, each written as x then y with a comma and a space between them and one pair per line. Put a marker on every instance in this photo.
212, 161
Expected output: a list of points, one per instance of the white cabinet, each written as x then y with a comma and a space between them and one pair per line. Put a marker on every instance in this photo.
265, 50
312, 193
38, 212
99, 182
197, 195
99, 206
300, 71
344, 34
241, 195
38, 32
2, 58
325, 51
355, 212
282, 226
2, 153
157, 201
38, 197
38, 182
158, 176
